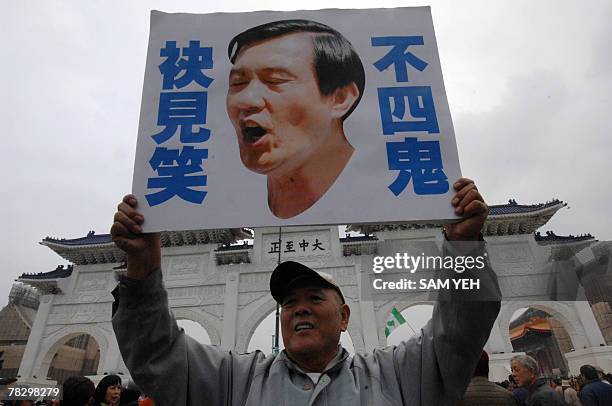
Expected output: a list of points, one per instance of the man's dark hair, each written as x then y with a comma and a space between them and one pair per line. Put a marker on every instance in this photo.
77, 390
589, 372
482, 367
129, 396
335, 61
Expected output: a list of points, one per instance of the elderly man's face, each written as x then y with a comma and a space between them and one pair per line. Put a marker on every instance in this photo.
523, 376
275, 105
312, 320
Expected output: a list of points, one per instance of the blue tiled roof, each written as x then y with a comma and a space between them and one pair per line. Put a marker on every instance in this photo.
358, 238
552, 237
59, 272
510, 208
91, 239
513, 207
238, 247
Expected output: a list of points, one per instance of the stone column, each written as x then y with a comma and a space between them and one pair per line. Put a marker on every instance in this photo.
500, 352
369, 327
27, 367
595, 352
230, 309
564, 341
112, 361
593, 335
603, 314
495, 343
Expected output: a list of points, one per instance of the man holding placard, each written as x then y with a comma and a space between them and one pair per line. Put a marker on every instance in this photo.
432, 369
292, 84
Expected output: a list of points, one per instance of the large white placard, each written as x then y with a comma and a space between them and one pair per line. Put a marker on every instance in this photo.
309, 117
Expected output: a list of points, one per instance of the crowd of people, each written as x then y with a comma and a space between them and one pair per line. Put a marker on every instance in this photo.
524, 387
528, 387
81, 391
569, 388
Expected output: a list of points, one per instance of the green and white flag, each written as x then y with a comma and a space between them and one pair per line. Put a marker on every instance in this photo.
394, 321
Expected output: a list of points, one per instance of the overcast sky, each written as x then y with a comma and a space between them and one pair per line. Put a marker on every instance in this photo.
528, 82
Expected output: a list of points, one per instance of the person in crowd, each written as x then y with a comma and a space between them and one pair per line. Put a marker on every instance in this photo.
482, 392
505, 384
601, 374
511, 383
108, 391
539, 393
146, 401
129, 396
520, 394
556, 385
5, 385
313, 369
570, 395
576, 383
594, 392
77, 391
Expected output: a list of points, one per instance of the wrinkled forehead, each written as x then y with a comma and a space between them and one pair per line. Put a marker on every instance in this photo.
296, 46
302, 287
516, 364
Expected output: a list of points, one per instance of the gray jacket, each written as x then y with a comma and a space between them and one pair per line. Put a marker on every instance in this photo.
541, 394
432, 369
482, 392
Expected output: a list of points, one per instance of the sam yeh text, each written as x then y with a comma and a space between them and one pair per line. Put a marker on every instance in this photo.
427, 284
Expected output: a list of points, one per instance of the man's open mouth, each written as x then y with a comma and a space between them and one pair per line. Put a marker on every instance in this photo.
253, 132
303, 326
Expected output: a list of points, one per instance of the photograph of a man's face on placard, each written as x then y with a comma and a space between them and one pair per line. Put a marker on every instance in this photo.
289, 118
292, 85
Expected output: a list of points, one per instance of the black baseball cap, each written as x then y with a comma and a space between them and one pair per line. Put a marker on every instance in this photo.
290, 274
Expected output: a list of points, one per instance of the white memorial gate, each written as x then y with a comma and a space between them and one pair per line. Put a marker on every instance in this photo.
224, 288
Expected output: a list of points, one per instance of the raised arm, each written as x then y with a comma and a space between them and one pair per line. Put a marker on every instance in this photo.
164, 362
446, 353
468, 202
143, 251
463, 319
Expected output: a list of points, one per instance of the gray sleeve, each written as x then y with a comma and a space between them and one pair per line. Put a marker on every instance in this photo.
435, 368
167, 364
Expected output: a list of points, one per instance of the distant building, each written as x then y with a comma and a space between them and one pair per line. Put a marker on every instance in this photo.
532, 332
78, 356
16, 320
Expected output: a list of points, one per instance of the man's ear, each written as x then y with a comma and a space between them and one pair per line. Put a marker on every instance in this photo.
343, 98
345, 313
